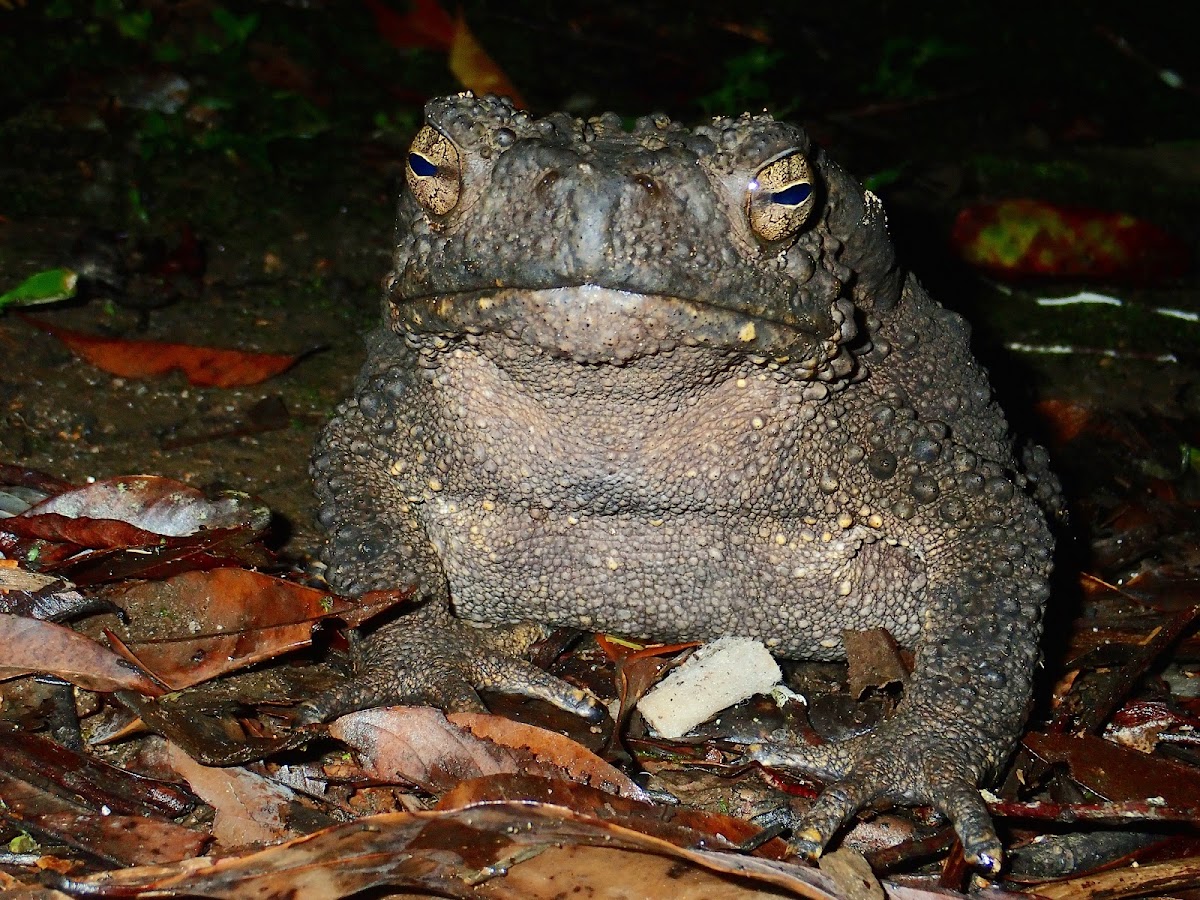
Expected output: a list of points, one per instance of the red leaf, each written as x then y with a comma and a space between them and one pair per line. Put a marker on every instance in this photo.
1118, 773
1021, 238
202, 366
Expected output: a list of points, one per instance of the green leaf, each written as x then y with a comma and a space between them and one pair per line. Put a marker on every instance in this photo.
44, 287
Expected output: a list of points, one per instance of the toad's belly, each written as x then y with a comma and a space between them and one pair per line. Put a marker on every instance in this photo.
793, 586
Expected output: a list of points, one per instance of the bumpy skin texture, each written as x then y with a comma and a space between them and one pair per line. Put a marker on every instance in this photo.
611, 392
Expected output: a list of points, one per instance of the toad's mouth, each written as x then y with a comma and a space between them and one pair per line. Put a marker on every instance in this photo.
592, 324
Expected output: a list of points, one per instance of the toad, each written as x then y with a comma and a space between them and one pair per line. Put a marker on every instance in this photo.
672, 383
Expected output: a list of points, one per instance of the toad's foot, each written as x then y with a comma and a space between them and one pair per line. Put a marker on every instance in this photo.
432, 657
908, 764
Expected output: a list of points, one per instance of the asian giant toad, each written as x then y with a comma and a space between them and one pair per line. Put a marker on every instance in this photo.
672, 383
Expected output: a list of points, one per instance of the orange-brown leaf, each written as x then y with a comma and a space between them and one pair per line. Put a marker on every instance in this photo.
475, 69
202, 366
576, 761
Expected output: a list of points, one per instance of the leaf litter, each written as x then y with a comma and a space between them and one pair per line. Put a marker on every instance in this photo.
481, 805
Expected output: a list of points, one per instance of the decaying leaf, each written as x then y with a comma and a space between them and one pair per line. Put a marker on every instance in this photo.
250, 809
417, 745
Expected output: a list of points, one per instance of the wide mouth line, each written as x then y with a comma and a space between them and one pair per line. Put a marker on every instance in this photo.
515, 295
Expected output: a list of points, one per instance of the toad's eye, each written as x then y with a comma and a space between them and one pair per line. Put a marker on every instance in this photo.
781, 198
433, 171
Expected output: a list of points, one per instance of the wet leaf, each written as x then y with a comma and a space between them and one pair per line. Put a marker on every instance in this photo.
221, 620
30, 645
25, 593
120, 839
44, 287
152, 505
89, 780
127, 527
1142, 724
1162, 879
1022, 238
680, 825
1119, 773
202, 366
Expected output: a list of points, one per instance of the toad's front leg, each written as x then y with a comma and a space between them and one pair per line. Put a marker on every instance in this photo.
967, 698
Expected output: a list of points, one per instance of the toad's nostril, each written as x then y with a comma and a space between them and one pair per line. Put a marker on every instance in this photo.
647, 184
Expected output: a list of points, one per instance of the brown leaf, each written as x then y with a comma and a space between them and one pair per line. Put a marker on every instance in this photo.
30, 645
576, 762
680, 825
250, 809
874, 659
221, 620
1160, 879
202, 366
416, 744
90, 780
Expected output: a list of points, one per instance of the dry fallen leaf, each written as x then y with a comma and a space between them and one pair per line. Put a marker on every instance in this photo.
576, 761
31, 645
250, 809
417, 745
202, 366
224, 619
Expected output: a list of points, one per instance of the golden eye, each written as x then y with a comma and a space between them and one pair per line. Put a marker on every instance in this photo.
433, 172
781, 198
